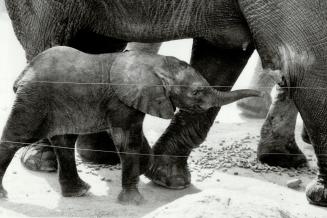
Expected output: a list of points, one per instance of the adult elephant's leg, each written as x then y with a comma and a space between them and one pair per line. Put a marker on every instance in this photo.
220, 67
258, 107
97, 148
277, 144
296, 52
312, 106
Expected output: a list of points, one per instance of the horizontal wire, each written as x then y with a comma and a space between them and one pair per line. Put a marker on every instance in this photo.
154, 85
160, 85
134, 153
95, 150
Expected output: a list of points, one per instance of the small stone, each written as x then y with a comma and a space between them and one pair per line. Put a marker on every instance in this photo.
294, 183
102, 178
235, 173
108, 180
291, 174
14, 172
218, 180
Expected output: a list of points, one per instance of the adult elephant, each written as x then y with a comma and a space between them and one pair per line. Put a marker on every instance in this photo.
289, 35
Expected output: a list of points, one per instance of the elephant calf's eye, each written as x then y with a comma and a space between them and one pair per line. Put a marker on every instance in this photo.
195, 92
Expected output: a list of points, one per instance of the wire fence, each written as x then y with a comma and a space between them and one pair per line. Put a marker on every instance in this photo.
152, 85
170, 85
133, 153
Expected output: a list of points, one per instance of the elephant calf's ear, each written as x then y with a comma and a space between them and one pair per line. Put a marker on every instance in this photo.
136, 85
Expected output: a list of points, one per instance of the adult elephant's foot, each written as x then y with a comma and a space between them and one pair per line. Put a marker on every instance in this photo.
169, 173
255, 107
316, 192
97, 148
39, 157
280, 152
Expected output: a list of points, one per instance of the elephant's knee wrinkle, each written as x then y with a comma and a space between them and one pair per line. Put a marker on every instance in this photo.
285, 68
293, 59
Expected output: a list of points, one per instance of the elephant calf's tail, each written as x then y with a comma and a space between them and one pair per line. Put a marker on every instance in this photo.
15, 87
21, 75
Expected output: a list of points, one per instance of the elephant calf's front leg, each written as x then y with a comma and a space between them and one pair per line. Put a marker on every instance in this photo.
129, 144
71, 184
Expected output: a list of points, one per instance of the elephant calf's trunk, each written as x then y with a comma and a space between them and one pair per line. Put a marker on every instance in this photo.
224, 98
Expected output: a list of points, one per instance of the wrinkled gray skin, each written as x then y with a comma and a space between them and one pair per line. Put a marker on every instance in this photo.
290, 37
277, 137
64, 92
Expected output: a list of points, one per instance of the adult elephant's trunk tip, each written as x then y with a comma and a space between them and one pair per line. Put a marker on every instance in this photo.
224, 98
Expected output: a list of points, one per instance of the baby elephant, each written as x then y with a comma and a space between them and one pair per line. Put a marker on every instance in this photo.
64, 92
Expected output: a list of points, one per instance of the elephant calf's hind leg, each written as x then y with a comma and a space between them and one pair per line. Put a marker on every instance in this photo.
22, 127
7, 152
71, 184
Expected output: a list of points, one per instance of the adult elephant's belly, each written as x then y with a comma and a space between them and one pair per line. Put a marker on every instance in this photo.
219, 22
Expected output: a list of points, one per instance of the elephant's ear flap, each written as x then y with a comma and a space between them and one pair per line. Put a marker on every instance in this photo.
135, 83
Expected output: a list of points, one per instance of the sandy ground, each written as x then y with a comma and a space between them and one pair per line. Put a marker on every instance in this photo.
38, 194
